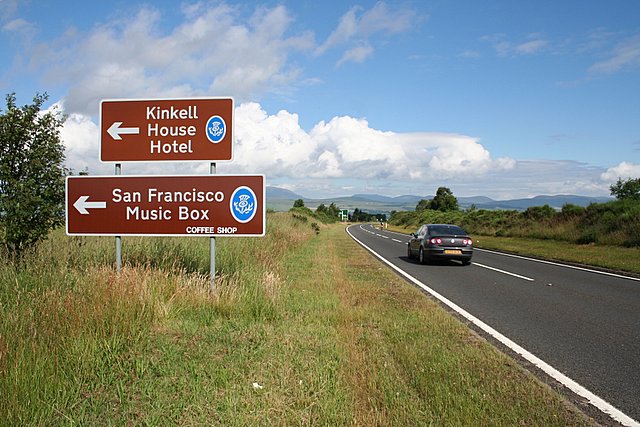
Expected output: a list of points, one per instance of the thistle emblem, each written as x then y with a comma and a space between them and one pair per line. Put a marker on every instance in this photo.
243, 206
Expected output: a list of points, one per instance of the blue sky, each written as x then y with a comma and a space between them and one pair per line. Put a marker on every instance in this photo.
498, 98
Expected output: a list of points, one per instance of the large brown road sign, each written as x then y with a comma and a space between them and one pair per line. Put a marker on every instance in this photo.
185, 205
194, 129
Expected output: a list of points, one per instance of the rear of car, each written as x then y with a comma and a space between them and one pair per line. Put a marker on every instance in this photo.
442, 242
445, 241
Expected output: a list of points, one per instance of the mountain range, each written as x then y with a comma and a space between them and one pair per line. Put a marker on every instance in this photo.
280, 199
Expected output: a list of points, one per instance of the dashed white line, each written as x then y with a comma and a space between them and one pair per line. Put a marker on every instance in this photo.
574, 267
503, 271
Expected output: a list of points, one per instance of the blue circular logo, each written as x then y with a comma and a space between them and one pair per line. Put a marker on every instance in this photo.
216, 129
244, 204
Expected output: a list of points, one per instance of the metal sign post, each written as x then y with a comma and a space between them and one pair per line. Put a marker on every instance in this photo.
212, 248
118, 238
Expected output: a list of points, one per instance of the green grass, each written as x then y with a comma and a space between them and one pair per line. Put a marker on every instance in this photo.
329, 335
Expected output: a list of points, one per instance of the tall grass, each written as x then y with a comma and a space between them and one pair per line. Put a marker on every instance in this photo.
72, 329
303, 329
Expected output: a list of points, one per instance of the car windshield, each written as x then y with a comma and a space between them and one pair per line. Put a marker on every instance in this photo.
446, 230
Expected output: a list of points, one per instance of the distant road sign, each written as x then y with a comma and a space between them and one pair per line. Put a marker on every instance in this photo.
196, 129
202, 205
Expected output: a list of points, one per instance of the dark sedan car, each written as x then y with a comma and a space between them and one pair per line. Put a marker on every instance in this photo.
440, 241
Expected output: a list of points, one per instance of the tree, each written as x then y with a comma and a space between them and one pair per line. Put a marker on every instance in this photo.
444, 200
333, 210
359, 216
627, 189
381, 217
298, 203
31, 174
422, 205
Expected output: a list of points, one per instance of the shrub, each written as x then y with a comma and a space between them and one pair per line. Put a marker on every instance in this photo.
538, 213
572, 211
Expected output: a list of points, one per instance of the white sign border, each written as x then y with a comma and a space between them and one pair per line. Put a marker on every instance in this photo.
197, 98
264, 205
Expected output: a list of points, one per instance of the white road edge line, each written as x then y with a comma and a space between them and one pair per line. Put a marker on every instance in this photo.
503, 271
575, 267
595, 400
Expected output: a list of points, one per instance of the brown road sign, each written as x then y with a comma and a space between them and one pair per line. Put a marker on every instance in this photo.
196, 129
202, 205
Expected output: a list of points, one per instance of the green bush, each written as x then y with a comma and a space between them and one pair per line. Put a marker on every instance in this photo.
572, 211
539, 213
613, 223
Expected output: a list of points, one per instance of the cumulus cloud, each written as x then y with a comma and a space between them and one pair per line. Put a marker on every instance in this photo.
347, 147
344, 147
346, 155
624, 170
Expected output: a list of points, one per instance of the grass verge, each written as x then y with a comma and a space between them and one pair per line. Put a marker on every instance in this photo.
304, 329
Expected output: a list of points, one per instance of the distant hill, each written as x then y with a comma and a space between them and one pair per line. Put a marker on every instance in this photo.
553, 201
280, 199
477, 200
281, 193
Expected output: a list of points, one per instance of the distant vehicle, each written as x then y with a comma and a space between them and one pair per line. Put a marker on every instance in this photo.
440, 241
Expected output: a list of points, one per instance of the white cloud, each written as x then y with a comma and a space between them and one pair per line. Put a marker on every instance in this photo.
625, 54
505, 47
18, 25
346, 155
275, 144
530, 47
347, 28
344, 147
358, 54
624, 170
358, 29
213, 51
347, 147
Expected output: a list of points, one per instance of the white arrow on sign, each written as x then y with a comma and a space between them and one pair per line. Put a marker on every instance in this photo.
115, 131
82, 205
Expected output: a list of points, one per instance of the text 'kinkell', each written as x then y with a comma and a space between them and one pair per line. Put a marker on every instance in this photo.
172, 113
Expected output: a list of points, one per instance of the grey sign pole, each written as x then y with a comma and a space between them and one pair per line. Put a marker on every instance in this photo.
118, 238
212, 248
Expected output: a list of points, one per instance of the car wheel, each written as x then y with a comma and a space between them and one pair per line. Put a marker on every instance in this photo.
466, 262
421, 257
409, 252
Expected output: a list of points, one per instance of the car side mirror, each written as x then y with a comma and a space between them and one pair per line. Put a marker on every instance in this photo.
414, 235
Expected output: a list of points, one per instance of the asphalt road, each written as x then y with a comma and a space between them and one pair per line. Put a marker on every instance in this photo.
583, 323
